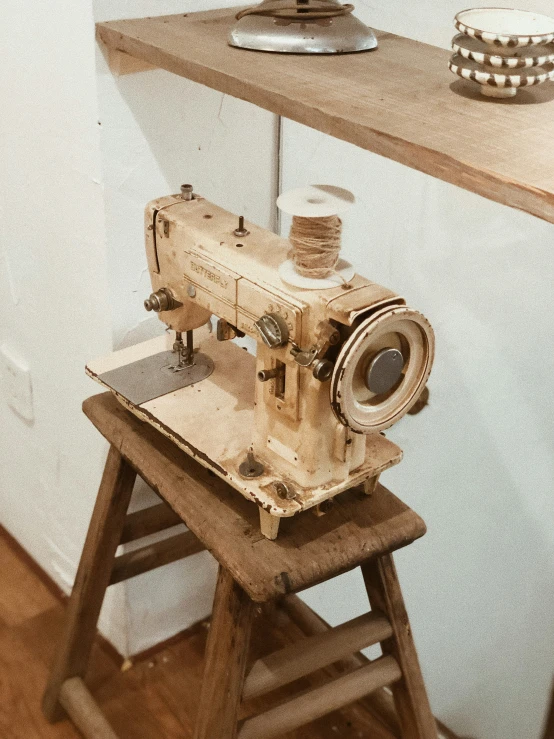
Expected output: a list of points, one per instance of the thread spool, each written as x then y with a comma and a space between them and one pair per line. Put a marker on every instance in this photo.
314, 262
315, 245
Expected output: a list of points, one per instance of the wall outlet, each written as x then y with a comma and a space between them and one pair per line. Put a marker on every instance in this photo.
16, 383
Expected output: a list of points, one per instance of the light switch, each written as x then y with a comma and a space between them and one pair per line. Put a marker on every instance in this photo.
16, 383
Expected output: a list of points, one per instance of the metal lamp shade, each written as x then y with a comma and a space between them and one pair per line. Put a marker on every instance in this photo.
341, 34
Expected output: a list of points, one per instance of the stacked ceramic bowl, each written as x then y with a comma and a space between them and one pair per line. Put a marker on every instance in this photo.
502, 49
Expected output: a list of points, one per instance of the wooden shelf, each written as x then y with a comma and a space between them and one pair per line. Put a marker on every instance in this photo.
400, 101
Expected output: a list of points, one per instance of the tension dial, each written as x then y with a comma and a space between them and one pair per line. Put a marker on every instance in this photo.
273, 330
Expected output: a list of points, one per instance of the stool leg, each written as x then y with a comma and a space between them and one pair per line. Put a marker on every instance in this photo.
226, 655
410, 695
92, 579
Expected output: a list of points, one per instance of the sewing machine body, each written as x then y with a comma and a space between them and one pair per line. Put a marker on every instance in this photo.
306, 452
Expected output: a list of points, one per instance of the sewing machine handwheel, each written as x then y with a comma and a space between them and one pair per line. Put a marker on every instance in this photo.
382, 369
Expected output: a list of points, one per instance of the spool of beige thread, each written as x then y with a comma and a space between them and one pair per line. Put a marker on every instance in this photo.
314, 262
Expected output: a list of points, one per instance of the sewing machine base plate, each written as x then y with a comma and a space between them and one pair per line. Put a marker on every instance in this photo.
156, 375
212, 420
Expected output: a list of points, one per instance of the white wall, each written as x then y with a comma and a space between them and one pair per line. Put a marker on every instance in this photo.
81, 153
429, 21
55, 302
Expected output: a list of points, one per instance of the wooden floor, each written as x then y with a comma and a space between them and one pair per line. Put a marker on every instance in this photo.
155, 698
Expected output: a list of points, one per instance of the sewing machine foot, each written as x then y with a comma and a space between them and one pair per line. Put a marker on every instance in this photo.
370, 484
269, 525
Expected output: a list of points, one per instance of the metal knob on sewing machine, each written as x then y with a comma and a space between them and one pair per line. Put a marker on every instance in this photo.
273, 330
161, 300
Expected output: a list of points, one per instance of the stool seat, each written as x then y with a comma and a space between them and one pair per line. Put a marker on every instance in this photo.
310, 549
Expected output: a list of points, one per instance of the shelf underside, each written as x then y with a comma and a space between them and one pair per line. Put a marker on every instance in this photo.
400, 101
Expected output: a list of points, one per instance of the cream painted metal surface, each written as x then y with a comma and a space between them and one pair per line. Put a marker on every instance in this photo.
280, 407
214, 422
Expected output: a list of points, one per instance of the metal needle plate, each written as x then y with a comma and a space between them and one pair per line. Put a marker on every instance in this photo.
152, 377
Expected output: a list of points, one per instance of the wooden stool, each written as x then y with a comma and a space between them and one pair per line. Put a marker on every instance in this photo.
360, 530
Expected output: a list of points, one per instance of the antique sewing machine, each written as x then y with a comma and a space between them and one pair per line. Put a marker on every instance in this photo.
299, 423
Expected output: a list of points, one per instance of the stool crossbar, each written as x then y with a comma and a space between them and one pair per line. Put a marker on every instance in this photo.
361, 530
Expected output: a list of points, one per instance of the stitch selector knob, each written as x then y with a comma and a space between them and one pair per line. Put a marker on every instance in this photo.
273, 330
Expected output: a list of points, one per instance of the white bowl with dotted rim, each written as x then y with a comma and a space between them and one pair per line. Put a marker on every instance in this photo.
525, 56
505, 27
496, 84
